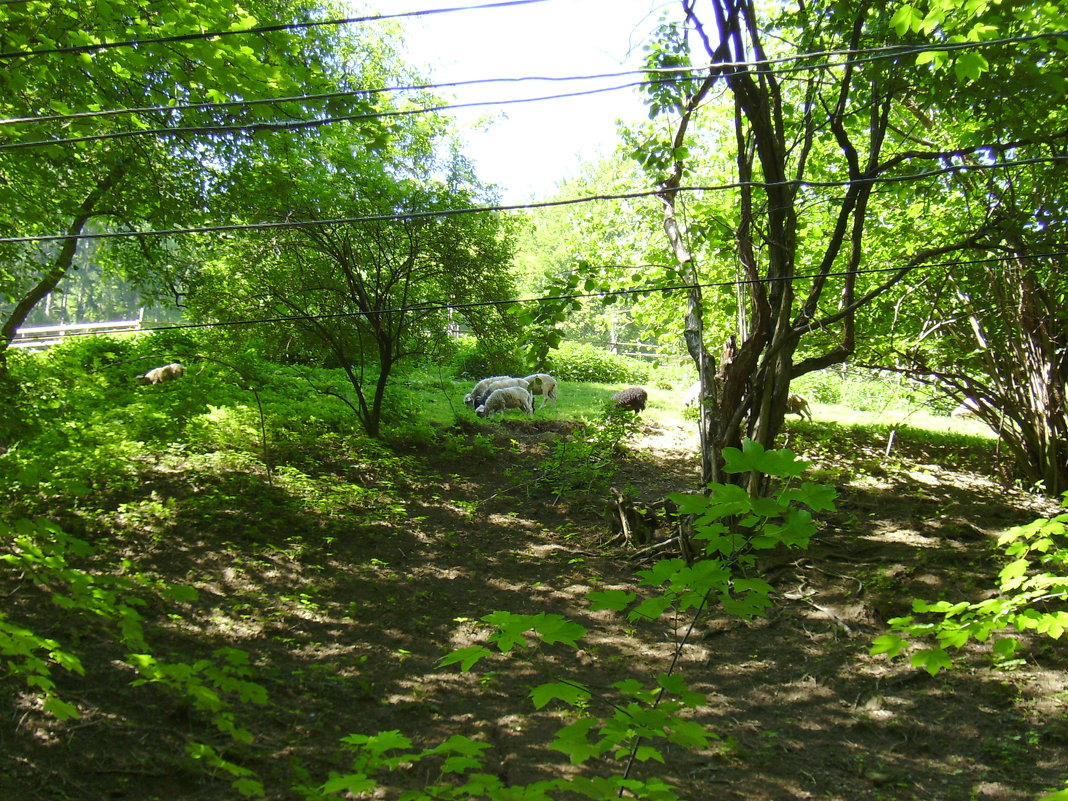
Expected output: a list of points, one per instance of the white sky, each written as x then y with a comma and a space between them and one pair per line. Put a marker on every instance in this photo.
527, 148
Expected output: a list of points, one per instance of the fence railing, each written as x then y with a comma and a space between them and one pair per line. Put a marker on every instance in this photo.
42, 336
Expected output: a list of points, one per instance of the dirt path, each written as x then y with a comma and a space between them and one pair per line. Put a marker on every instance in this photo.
345, 616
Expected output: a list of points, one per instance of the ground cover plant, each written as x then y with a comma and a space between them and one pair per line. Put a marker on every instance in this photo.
182, 622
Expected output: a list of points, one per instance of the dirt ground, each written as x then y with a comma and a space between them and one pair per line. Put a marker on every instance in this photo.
346, 615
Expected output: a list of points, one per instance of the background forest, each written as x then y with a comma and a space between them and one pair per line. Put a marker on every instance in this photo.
304, 569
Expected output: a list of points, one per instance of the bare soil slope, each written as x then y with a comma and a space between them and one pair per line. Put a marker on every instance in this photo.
346, 603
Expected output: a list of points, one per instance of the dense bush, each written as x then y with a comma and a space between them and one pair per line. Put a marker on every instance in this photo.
578, 362
865, 391
475, 359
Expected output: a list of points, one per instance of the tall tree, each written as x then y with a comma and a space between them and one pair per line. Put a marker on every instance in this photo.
993, 328
826, 162
367, 294
109, 111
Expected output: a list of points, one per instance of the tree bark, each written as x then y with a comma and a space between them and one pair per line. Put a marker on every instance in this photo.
64, 259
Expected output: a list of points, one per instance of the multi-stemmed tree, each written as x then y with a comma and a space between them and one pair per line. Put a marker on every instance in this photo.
830, 117
109, 112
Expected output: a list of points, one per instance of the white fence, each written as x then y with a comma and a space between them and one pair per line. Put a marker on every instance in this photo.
41, 336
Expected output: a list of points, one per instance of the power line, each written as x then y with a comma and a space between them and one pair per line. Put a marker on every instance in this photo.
80, 115
416, 215
296, 125
572, 296
188, 37
681, 74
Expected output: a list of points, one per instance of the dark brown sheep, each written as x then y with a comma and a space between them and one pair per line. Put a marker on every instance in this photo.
633, 399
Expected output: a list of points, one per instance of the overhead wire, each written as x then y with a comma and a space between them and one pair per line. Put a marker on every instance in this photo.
292, 26
424, 307
296, 125
882, 52
680, 74
415, 215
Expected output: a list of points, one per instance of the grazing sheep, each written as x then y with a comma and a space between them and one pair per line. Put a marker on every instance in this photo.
507, 398
469, 399
966, 409
633, 399
162, 375
542, 384
795, 404
480, 397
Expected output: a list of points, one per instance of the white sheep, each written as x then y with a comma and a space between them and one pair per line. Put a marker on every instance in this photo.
507, 398
796, 404
542, 384
480, 397
469, 399
161, 375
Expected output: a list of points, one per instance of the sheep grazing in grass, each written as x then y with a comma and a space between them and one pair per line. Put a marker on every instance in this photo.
507, 398
162, 375
478, 391
479, 398
633, 399
795, 404
966, 409
542, 384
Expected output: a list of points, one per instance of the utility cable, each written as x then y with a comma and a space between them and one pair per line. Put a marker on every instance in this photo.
294, 26
426, 87
681, 74
297, 125
417, 215
566, 297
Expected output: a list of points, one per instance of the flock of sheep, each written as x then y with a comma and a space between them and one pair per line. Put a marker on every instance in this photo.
501, 392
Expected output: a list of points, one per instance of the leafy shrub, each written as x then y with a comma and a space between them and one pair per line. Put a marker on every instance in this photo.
587, 460
478, 358
864, 391
1030, 598
109, 604
580, 362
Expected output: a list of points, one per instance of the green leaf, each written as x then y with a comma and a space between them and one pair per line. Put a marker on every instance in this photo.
932, 660
460, 764
753, 456
616, 600
650, 608
378, 744
460, 744
573, 740
906, 18
970, 66
644, 753
556, 628
466, 657
677, 686
60, 709
889, 644
568, 693
354, 783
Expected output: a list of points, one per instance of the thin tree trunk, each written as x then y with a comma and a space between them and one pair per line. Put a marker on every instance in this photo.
63, 261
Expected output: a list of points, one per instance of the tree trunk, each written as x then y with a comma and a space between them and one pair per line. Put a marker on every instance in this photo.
63, 261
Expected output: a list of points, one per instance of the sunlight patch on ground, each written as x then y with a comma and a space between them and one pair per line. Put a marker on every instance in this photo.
903, 536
